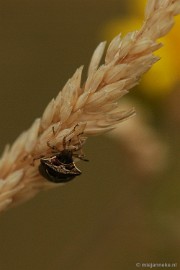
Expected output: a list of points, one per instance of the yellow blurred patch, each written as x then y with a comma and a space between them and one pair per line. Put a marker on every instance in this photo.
162, 77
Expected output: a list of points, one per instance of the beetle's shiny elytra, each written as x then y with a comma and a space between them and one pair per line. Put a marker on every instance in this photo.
59, 168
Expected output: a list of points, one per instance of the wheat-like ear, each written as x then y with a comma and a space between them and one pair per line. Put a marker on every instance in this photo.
81, 110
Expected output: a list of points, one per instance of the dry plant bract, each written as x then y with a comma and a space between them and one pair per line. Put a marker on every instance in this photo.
81, 110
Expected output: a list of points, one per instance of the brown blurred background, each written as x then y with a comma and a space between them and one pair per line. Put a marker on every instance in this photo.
114, 215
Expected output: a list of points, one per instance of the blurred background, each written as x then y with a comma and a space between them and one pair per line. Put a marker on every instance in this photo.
124, 209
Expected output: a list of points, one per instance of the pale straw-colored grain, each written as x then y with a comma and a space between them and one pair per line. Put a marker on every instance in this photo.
81, 110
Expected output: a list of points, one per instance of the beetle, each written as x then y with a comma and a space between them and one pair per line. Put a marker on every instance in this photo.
59, 168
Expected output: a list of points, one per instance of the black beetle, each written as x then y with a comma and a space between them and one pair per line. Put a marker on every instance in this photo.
59, 168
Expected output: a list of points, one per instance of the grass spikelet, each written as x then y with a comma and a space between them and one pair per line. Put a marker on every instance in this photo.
84, 109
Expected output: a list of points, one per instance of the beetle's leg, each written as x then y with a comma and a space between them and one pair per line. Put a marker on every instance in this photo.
53, 147
81, 156
53, 130
69, 141
64, 142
